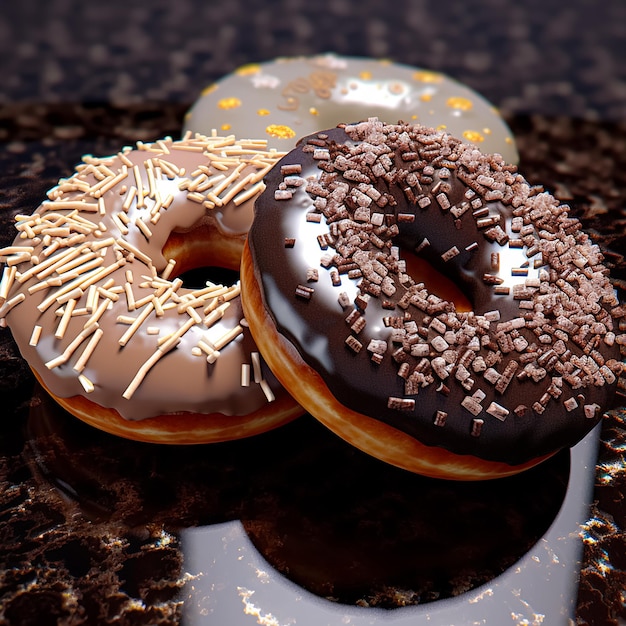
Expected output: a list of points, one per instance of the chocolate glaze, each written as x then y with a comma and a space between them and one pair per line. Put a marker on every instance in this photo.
317, 328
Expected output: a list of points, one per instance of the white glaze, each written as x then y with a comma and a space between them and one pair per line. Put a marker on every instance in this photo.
289, 98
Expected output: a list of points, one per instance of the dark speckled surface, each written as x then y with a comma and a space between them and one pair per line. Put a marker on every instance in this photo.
90, 526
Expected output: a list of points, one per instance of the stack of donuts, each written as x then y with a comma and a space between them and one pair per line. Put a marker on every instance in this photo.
400, 280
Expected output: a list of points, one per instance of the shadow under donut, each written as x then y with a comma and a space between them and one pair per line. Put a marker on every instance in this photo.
347, 527
333, 520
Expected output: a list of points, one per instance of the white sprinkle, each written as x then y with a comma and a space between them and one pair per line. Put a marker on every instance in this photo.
267, 390
8, 276
67, 353
256, 367
143, 227
227, 337
65, 319
245, 374
34, 338
81, 363
88, 386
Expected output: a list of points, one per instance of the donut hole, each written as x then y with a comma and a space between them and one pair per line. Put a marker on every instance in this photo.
202, 255
198, 277
421, 271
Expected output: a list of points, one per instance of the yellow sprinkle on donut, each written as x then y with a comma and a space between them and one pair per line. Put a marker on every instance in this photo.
462, 104
300, 91
229, 103
210, 89
424, 76
280, 131
250, 69
473, 136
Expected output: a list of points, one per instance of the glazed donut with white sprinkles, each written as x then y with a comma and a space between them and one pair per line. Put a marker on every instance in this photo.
367, 345
91, 292
291, 97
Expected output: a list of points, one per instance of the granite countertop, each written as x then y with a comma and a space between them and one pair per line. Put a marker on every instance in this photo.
90, 525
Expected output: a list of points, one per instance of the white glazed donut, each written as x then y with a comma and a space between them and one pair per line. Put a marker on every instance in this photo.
289, 98
91, 294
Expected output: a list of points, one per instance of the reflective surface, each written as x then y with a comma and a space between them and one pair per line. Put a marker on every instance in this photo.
294, 519
128, 554
317, 533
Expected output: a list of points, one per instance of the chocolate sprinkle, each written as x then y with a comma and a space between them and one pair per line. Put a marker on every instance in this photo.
367, 160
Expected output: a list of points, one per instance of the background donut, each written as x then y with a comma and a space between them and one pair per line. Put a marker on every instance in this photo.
288, 98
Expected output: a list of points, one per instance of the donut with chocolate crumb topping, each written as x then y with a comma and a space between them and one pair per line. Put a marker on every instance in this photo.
462, 325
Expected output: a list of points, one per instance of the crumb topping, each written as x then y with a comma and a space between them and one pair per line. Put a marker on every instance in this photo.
566, 311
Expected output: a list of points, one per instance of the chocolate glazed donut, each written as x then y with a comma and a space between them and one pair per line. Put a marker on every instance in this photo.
398, 371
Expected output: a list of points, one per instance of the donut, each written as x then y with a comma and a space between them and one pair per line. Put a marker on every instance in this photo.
288, 98
360, 335
93, 294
